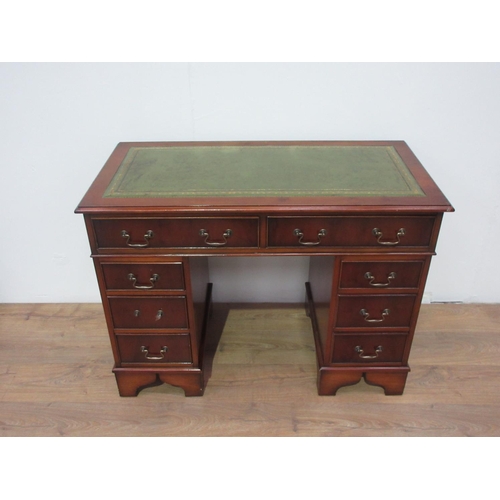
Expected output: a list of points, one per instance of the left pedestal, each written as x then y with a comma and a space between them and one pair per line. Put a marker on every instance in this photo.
156, 310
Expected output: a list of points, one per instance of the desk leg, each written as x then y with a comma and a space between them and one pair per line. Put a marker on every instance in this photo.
393, 382
330, 381
131, 382
391, 379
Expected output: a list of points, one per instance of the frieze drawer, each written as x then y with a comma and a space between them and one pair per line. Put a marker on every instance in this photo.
140, 234
375, 232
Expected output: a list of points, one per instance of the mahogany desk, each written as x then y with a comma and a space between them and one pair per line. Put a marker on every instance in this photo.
367, 214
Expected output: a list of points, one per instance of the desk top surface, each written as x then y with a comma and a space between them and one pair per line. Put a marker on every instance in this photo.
276, 175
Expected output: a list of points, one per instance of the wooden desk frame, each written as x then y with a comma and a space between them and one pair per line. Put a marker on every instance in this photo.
369, 259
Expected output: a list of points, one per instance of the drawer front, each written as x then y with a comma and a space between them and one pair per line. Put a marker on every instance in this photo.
370, 311
164, 312
139, 234
156, 349
368, 348
380, 274
144, 277
374, 232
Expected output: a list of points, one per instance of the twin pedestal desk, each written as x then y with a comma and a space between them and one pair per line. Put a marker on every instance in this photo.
366, 213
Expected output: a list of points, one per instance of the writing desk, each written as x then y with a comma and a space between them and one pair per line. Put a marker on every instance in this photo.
367, 214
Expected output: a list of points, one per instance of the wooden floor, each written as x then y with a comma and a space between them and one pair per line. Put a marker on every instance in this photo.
56, 380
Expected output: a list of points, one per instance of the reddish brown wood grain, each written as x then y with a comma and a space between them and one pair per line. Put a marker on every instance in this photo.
163, 315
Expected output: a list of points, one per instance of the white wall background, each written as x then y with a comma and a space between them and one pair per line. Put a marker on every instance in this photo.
59, 123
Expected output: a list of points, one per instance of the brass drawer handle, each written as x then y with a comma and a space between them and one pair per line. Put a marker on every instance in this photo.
390, 276
227, 234
161, 355
153, 280
149, 234
360, 351
366, 316
300, 235
378, 234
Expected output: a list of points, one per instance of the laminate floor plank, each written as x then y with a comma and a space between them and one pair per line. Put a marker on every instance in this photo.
401, 420
56, 380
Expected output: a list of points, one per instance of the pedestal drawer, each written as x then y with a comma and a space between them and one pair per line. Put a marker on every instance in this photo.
141, 312
368, 348
154, 276
379, 232
380, 274
370, 311
155, 349
143, 233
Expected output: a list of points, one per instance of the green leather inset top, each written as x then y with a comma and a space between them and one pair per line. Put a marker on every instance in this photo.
250, 171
